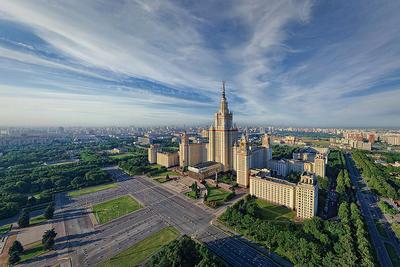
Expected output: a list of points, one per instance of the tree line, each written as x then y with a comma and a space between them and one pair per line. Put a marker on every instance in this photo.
184, 252
313, 243
376, 177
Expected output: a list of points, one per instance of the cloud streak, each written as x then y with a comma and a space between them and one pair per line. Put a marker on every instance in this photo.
286, 62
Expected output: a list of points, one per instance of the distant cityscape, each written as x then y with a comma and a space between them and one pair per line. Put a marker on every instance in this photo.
125, 186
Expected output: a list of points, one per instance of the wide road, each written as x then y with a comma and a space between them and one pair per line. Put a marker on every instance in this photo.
370, 211
80, 243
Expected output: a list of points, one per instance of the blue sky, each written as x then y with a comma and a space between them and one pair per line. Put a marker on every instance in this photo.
100, 63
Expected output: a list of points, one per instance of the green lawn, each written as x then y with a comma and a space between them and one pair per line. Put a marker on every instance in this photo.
161, 180
91, 189
170, 173
115, 208
123, 156
269, 211
154, 167
4, 229
191, 194
33, 251
139, 252
37, 219
160, 173
380, 228
392, 254
216, 194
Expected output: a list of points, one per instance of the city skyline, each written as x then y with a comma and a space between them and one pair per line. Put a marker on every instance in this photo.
311, 64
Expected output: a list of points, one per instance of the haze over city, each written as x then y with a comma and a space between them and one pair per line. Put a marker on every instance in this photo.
299, 63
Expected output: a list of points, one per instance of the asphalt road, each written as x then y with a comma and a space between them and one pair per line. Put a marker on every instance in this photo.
370, 211
88, 245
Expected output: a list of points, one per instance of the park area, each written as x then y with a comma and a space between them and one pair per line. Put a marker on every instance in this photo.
269, 211
32, 250
159, 171
91, 189
115, 208
139, 252
217, 194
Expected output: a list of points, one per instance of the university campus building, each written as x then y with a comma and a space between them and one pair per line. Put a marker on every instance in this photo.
224, 152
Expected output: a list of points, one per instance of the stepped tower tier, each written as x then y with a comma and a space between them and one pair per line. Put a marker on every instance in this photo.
222, 135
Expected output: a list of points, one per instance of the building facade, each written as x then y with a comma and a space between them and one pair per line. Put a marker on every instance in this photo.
191, 154
152, 153
319, 165
302, 197
307, 197
168, 159
222, 135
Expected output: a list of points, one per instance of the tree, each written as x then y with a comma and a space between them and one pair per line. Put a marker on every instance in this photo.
195, 189
14, 258
48, 238
16, 247
23, 220
49, 211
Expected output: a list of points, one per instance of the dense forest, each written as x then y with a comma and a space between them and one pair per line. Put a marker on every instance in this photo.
283, 151
313, 243
377, 176
184, 252
30, 175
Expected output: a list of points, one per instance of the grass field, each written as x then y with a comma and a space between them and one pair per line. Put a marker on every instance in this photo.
91, 189
123, 156
170, 173
160, 173
115, 208
269, 211
392, 254
32, 251
161, 180
380, 229
4, 229
139, 252
37, 219
191, 194
216, 194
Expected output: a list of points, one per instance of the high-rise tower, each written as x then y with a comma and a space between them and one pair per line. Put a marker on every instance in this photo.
222, 135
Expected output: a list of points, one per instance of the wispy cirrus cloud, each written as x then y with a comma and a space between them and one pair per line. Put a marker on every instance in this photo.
286, 62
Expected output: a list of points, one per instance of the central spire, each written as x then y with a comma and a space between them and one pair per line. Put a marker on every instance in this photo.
223, 89
224, 104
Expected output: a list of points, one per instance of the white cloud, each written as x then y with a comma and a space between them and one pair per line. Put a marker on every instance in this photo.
174, 45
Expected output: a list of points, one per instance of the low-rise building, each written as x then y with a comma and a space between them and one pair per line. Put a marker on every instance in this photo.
204, 170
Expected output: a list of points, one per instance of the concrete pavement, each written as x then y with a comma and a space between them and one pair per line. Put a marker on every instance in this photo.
88, 245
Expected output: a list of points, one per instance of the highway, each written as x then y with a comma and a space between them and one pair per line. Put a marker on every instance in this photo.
370, 211
86, 244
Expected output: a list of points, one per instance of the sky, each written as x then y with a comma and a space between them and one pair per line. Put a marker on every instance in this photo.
121, 63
